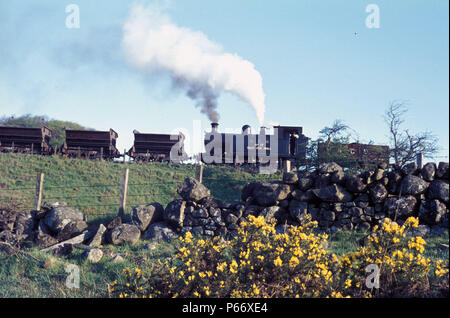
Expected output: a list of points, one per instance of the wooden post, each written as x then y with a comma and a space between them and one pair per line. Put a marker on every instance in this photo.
420, 160
38, 196
101, 154
199, 173
124, 154
123, 193
287, 166
32, 148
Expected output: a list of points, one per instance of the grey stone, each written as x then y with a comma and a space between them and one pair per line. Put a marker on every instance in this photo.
442, 171
329, 168
99, 236
192, 190
124, 233
400, 207
378, 193
431, 211
355, 184
59, 217
428, 171
413, 185
439, 189
94, 255
159, 231
333, 193
143, 215
174, 212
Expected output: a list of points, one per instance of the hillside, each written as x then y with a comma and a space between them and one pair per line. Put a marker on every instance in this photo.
94, 186
56, 126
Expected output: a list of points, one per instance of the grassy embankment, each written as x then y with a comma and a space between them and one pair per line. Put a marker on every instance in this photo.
78, 182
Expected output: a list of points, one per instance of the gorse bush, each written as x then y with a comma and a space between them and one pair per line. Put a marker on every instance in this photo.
258, 262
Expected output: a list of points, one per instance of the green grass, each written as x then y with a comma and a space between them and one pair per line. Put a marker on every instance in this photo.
94, 187
20, 277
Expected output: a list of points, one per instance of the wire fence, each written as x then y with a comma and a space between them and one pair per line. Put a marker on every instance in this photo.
102, 196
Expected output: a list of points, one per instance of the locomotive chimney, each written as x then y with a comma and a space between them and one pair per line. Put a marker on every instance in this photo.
263, 130
214, 127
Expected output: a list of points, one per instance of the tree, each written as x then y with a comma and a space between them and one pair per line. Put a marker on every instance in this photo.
405, 146
336, 130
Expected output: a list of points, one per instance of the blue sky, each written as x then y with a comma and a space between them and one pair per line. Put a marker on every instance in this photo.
314, 68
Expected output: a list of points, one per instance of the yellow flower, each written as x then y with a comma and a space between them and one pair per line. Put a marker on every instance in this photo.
278, 262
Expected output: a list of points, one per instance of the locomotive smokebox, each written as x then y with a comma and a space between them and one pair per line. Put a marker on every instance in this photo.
246, 130
214, 127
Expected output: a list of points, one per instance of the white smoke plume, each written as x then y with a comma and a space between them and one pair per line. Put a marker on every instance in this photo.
153, 43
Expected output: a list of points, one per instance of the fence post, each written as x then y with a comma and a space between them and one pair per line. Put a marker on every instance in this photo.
38, 196
199, 173
420, 160
286, 166
123, 193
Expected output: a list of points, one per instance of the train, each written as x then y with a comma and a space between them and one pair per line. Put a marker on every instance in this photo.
288, 143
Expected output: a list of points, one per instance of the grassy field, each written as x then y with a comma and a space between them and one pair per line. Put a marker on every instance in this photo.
94, 187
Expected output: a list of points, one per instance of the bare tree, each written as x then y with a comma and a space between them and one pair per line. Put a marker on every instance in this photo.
337, 129
405, 146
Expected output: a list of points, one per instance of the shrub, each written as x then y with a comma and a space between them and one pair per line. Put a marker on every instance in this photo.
258, 262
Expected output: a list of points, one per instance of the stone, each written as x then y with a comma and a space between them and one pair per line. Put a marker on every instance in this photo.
305, 183
363, 227
355, 184
428, 171
117, 259
442, 171
355, 212
99, 236
48, 206
143, 215
410, 168
290, 178
378, 193
422, 230
72, 229
59, 217
124, 233
45, 240
192, 190
94, 255
400, 207
24, 225
249, 189
333, 193
439, 189
378, 175
231, 218
298, 210
160, 231
214, 212
337, 177
322, 181
327, 215
174, 213
273, 212
394, 182
413, 185
267, 194
431, 211
329, 168
114, 222
200, 213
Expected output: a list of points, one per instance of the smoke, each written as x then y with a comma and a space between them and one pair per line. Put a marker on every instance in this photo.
153, 43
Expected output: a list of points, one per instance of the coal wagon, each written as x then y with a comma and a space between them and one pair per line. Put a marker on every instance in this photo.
157, 147
91, 144
26, 140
